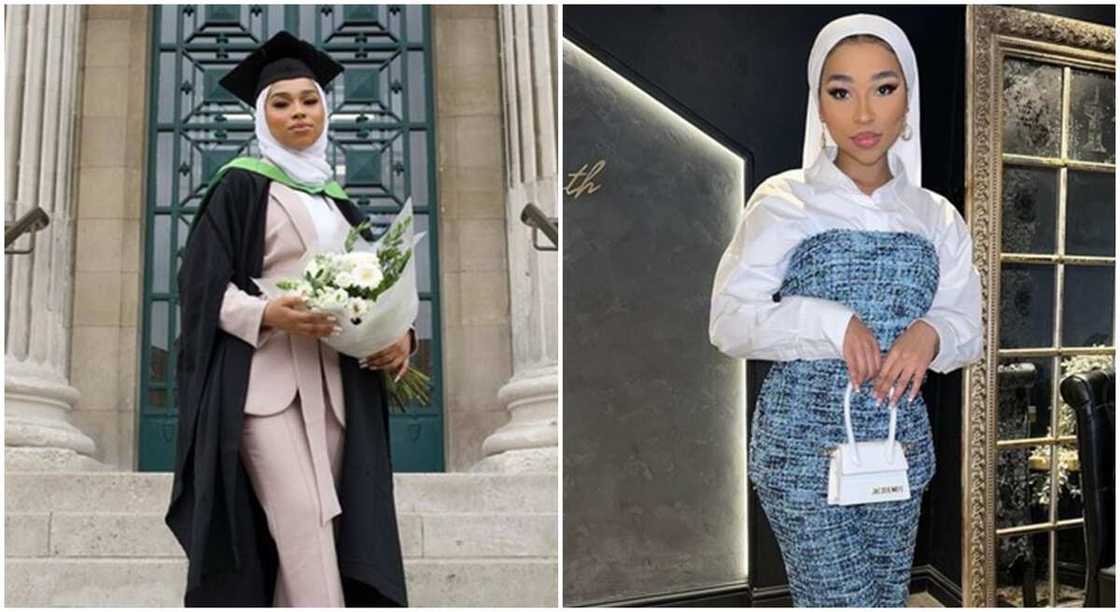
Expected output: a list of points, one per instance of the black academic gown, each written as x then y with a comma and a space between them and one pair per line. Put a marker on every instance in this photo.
214, 512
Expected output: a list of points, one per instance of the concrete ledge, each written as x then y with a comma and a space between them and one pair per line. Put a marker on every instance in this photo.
144, 535
151, 492
26, 535
490, 535
160, 582
94, 582
98, 539
82, 491
464, 492
482, 583
111, 534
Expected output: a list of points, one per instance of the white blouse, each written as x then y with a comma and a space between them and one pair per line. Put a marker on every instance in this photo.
331, 226
747, 323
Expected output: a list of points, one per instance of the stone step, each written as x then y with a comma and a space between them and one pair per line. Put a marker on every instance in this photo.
151, 491
159, 582
144, 534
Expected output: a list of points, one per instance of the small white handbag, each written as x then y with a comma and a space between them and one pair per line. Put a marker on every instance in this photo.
869, 471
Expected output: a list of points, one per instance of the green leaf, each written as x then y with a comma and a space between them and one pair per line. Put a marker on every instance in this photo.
352, 235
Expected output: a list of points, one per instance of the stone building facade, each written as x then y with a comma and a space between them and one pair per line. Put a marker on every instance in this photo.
78, 139
77, 144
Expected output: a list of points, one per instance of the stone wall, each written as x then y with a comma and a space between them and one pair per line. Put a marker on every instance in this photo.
474, 284
109, 254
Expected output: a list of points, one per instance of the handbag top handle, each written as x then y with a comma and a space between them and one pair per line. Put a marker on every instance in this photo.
848, 423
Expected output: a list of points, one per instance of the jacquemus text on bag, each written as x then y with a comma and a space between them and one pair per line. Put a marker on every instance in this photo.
868, 471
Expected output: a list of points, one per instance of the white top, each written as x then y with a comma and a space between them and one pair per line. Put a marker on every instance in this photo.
785, 209
330, 226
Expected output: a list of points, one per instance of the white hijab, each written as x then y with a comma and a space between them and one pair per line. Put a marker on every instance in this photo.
909, 152
306, 166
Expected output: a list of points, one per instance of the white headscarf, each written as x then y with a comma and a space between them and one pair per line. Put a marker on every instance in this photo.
909, 152
306, 166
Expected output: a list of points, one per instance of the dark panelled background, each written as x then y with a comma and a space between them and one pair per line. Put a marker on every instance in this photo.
654, 452
741, 70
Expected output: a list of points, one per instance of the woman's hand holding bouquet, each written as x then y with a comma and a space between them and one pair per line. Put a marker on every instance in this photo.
289, 313
361, 301
393, 359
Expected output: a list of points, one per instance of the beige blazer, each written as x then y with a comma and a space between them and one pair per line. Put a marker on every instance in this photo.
284, 363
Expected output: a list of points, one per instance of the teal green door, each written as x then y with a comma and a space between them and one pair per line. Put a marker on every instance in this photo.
381, 143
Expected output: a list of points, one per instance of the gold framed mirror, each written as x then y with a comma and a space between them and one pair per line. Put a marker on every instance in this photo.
1040, 201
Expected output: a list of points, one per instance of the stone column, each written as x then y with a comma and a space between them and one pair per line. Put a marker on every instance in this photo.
528, 442
44, 44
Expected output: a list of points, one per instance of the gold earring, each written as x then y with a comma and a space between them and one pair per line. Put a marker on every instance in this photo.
907, 134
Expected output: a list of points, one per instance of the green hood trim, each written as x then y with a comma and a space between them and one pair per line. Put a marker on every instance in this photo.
266, 169
262, 167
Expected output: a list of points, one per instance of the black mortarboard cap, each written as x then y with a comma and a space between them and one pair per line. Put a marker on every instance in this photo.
282, 57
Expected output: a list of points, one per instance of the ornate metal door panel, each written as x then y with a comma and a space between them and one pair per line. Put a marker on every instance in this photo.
381, 144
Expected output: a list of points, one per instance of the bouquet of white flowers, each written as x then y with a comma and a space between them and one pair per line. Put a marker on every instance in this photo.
371, 291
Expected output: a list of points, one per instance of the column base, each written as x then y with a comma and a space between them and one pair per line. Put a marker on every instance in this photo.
529, 441
521, 461
37, 404
40, 459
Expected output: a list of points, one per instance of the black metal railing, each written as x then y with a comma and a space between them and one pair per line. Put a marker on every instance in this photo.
549, 226
30, 223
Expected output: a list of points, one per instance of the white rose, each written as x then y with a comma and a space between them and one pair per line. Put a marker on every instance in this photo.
367, 276
344, 279
361, 258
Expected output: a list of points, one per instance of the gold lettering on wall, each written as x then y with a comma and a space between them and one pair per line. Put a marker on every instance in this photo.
580, 182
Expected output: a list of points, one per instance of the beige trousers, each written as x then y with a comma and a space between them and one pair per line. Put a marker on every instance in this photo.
277, 453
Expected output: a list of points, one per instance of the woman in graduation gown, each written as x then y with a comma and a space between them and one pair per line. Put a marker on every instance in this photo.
848, 271
283, 485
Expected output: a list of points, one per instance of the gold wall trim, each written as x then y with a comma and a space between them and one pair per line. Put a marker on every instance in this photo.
1056, 162
1050, 352
991, 33
1041, 527
1086, 260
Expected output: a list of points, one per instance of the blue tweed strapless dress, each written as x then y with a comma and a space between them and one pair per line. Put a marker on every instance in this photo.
889, 278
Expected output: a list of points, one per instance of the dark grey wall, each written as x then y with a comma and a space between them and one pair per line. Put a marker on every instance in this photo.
654, 429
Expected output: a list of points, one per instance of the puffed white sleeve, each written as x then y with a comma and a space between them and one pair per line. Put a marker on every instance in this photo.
745, 320
955, 312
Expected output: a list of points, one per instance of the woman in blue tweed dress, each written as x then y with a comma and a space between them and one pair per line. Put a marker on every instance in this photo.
847, 270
